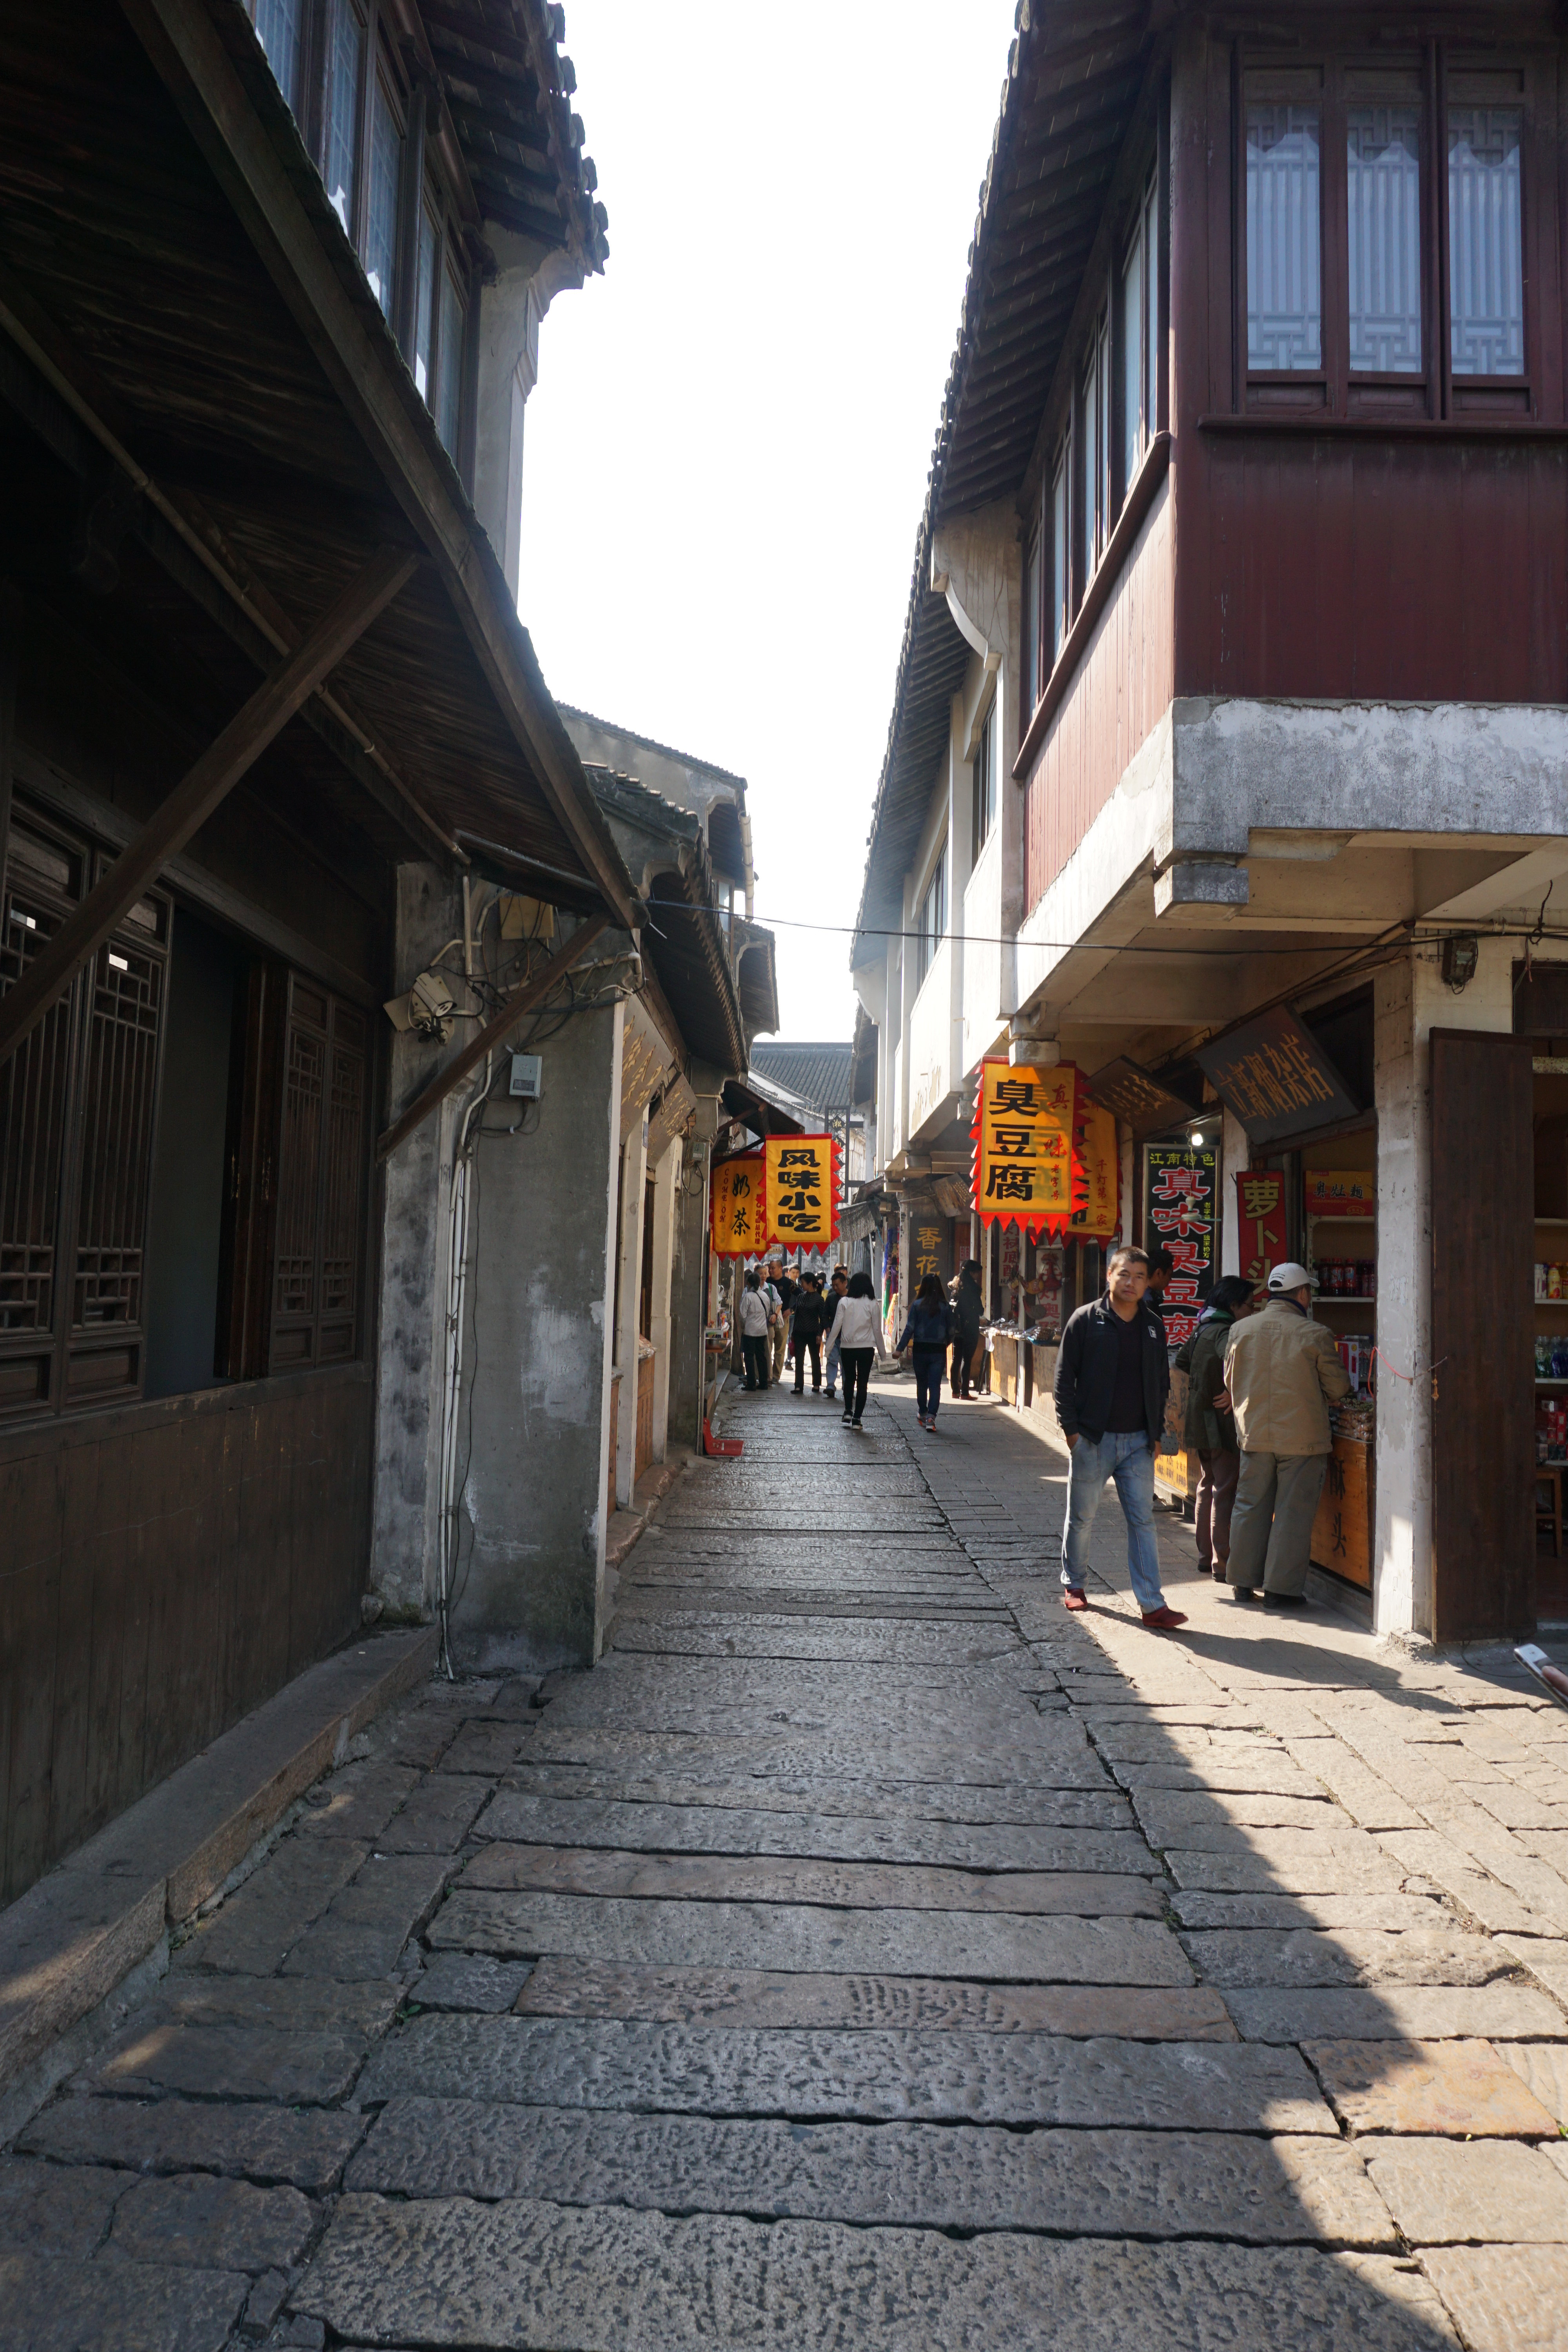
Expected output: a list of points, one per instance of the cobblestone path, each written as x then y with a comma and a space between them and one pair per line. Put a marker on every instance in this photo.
866, 1954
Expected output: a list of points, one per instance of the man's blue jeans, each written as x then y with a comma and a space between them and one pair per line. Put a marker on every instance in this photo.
1124, 1455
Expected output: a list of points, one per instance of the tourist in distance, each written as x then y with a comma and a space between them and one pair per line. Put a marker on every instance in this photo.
756, 1320
967, 1305
806, 1326
778, 1321
1113, 1378
928, 1334
1282, 1371
1209, 1433
840, 1289
855, 1336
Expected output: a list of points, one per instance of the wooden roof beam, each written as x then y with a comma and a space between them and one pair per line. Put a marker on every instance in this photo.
181, 538
200, 792
242, 126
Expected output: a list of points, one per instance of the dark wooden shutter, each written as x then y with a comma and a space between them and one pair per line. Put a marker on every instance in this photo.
318, 1239
126, 996
1483, 1412
343, 1185
244, 1267
43, 880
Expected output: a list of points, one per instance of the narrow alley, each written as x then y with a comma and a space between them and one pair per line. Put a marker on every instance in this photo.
867, 1953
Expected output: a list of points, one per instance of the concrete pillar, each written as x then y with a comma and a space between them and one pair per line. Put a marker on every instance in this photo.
411, 1339
532, 1429
666, 1192
633, 1172
1411, 1000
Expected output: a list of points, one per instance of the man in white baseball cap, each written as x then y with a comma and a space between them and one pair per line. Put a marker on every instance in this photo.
1282, 1371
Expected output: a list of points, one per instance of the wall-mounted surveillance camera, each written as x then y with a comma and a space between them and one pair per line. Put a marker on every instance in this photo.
428, 1009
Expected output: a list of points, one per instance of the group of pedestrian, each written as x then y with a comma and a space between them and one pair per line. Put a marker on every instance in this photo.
785, 1318
1258, 1390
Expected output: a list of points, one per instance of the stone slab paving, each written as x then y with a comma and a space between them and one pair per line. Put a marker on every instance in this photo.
865, 1954
455, 2272
1083, 2183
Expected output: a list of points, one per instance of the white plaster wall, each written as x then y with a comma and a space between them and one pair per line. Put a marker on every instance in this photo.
930, 1072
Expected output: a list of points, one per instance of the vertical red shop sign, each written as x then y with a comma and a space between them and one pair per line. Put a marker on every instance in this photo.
1260, 1211
1179, 1215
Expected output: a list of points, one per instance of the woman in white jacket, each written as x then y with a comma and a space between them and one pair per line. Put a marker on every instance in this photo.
856, 1333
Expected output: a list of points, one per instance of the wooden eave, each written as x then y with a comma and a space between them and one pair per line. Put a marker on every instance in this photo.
241, 341
1075, 74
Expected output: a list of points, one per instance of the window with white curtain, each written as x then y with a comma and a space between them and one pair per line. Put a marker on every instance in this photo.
1486, 240
1030, 632
983, 783
1382, 164
931, 923
382, 194
280, 27
1138, 332
1061, 568
1284, 235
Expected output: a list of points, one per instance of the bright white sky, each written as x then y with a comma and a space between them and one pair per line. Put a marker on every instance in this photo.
726, 451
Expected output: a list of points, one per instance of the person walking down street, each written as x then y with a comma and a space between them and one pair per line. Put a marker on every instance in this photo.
929, 1334
774, 1292
966, 1312
1113, 1378
839, 1289
1162, 1266
854, 1338
756, 1320
1282, 1371
1209, 1433
805, 1334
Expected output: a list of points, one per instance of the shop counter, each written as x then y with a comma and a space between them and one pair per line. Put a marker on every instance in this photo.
1341, 1532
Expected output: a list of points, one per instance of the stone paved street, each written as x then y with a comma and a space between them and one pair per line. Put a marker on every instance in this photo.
866, 1954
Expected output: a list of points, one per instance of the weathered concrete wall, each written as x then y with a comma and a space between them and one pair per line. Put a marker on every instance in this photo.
533, 1428
411, 1343
1395, 767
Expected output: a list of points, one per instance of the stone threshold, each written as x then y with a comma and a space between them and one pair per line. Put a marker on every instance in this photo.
651, 1488
69, 1940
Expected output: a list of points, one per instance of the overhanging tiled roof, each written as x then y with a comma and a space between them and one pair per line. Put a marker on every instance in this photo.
818, 1074
506, 83
1074, 74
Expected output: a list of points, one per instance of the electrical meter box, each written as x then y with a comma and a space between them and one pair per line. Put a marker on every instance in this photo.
525, 1082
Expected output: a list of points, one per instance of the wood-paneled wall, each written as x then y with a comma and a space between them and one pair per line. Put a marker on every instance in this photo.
1122, 689
1335, 565
165, 1568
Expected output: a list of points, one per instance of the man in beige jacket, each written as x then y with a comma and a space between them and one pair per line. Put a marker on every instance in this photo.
1282, 1371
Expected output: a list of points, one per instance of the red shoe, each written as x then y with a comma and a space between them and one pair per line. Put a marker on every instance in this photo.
1074, 1597
1164, 1620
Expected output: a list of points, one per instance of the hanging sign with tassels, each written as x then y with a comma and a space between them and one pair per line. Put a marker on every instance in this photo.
1027, 1169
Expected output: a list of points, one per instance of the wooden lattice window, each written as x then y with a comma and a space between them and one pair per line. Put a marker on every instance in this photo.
78, 1106
319, 1235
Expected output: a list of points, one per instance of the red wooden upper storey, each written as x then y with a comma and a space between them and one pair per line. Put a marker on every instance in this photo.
1328, 264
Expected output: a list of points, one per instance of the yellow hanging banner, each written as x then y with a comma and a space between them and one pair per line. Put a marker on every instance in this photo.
737, 1218
1101, 1161
1025, 1170
803, 1190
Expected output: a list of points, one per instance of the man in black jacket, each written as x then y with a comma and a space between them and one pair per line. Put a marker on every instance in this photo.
1113, 1378
967, 1305
807, 1328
